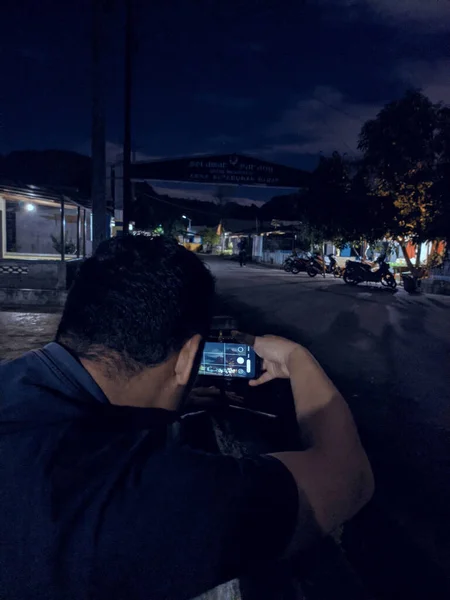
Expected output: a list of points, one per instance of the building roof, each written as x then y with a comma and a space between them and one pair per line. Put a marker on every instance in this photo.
38, 192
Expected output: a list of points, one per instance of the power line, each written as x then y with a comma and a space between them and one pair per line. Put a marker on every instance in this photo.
356, 118
340, 110
340, 137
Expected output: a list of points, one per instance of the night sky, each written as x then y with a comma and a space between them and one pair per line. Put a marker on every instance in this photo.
283, 80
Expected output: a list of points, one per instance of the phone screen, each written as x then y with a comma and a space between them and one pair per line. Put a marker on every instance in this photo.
224, 359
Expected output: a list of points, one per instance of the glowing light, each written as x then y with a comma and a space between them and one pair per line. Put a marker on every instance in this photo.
30, 207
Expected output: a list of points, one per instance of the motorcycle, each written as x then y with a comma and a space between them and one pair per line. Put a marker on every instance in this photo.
333, 268
359, 272
319, 265
289, 262
315, 265
300, 263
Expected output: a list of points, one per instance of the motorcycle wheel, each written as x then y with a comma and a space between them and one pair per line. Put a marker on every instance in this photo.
295, 270
287, 267
389, 281
337, 272
351, 279
311, 272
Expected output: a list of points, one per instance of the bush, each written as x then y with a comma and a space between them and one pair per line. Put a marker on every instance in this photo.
69, 246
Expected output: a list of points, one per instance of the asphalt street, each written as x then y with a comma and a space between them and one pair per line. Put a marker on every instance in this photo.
364, 333
389, 353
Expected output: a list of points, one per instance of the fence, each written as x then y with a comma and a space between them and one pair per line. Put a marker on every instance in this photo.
274, 258
441, 273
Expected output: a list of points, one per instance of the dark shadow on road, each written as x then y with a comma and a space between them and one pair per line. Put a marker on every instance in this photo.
356, 292
436, 302
411, 461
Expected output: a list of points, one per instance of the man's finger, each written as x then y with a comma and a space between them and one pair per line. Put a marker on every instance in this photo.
265, 377
244, 338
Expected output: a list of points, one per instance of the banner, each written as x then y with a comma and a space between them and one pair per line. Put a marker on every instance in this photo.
228, 169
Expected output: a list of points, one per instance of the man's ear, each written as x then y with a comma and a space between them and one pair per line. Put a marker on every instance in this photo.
186, 359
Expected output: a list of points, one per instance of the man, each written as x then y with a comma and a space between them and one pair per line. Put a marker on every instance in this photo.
96, 501
242, 252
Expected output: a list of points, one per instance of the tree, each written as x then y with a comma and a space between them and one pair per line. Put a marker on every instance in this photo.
440, 228
210, 237
337, 206
405, 149
286, 207
150, 212
321, 206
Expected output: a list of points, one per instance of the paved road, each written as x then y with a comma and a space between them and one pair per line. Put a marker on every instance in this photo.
23, 331
365, 333
390, 354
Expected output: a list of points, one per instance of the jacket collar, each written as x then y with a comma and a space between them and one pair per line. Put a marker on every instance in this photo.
70, 369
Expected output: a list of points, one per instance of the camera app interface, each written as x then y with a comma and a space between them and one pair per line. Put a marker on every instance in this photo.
228, 360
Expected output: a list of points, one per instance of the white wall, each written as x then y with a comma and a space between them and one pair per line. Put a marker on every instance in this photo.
2, 227
33, 229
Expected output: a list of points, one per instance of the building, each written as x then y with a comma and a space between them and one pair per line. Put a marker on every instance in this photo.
268, 242
44, 232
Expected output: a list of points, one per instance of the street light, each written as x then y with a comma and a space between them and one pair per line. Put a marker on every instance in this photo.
190, 221
30, 207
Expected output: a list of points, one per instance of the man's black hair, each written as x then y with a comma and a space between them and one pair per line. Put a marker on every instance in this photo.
135, 301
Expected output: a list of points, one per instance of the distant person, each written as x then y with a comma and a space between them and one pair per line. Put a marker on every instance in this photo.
243, 252
99, 501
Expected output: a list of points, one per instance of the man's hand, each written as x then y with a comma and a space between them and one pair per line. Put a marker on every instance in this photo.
276, 352
334, 474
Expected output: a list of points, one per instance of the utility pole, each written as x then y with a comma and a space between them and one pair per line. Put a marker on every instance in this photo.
127, 192
98, 184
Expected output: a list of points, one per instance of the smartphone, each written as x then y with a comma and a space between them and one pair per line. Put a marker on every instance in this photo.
226, 359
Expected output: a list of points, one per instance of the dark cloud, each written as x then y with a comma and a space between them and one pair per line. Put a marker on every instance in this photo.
323, 121
432, 77
225, 101
428, 15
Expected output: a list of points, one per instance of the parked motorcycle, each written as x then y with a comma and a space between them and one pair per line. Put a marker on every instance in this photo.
315, 265
300, 263
288, 263
358, 272
318, 266
333, 267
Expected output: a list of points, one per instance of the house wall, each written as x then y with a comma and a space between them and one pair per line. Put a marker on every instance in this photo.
37, 274
34, 274
1, 229
28, 233
275, 258
257, 247
34, 229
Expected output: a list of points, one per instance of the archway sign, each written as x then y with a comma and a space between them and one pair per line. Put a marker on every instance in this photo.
229, 169
226, 169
